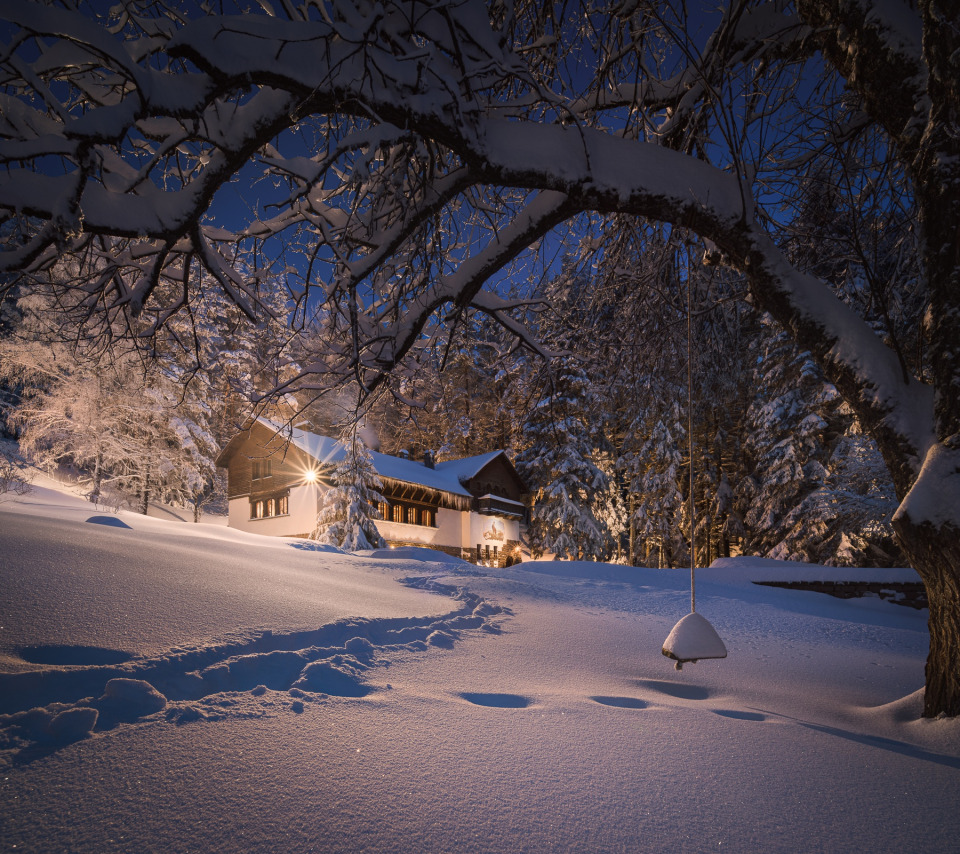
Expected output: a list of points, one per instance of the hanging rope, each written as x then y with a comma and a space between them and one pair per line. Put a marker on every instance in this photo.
693, 549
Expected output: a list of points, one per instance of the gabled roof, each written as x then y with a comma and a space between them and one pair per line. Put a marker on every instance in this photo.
330, 451
448, 476
470, 467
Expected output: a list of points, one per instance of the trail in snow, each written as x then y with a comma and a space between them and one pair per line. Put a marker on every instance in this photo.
41, 710
187, 688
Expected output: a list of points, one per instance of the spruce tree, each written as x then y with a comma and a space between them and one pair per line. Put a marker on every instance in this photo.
659, 503
557, 463
816, 490
348, 509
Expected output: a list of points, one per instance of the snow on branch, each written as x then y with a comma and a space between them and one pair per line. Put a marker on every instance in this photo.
411, 151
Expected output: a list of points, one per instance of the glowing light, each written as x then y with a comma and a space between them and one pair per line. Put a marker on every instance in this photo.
310, 476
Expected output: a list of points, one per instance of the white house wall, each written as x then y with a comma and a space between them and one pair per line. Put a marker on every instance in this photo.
301, 519
484, 531
446, 533
454, 529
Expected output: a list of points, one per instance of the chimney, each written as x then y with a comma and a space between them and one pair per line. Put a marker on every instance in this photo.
404, 454
428, 460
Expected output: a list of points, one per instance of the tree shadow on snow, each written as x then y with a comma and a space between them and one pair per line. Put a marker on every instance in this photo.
901, 747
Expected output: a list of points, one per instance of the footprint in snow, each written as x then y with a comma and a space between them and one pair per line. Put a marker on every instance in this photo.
325, 677
679, 690
496, 701
621, 702
736, 714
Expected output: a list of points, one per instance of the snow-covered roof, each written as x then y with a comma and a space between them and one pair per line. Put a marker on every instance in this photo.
468, 467
448, 476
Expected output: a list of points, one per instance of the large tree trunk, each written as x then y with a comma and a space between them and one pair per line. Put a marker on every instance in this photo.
913, 91
905, 418
935, 554
928, 526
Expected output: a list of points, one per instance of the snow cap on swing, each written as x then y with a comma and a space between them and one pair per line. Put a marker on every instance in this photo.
693, 638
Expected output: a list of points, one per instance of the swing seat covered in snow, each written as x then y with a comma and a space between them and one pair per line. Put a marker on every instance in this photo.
691, 639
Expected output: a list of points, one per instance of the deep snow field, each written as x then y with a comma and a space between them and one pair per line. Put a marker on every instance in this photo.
173, 687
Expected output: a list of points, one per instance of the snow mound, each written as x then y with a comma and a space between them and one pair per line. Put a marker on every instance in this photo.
72, 724
412, 553
313, 546
135, 696
904, 710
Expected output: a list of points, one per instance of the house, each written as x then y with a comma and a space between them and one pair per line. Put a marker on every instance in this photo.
470, 508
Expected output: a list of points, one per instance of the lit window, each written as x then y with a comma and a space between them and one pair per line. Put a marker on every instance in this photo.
271, 507
397, 513
384, 509
411, 515
283, 505
426, 518
257, 510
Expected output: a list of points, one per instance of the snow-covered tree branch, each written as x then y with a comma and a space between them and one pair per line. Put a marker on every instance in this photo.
407, 153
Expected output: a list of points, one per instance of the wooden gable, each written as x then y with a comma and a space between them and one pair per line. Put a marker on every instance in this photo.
497, 477
279, 464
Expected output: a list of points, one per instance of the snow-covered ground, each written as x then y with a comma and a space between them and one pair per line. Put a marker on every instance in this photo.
176, 687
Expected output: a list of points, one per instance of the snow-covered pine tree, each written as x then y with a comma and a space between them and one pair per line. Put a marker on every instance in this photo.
727, 524
656, 470
610, 507
348, 509
817, 490
786, 442
846, 521
557, 463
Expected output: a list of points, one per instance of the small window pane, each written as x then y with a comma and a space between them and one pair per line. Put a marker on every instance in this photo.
397, 513
411, 515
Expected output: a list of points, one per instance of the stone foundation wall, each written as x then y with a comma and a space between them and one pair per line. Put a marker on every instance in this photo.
510, 551
507, 556
911, 594
450, 550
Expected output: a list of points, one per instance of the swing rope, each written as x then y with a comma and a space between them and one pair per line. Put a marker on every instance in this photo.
693, 550
693, 638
